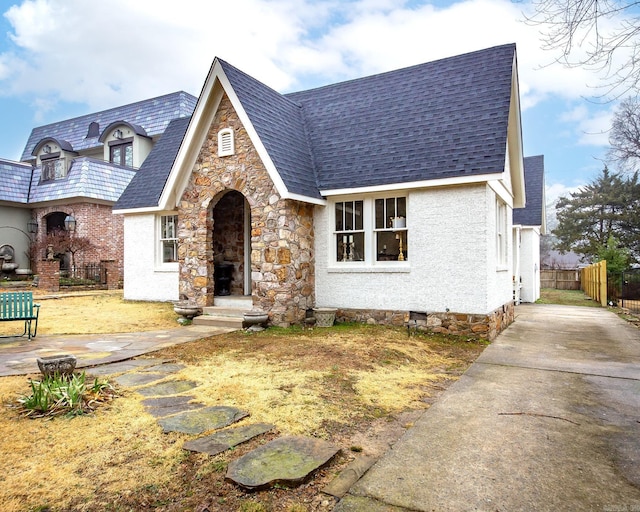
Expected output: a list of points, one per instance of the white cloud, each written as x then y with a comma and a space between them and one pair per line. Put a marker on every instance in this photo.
591, 123
104, 53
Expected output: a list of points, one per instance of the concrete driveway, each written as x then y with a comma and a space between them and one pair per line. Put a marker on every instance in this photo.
547, 419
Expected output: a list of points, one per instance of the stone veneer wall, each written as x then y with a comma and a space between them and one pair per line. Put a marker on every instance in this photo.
474, 326
282, 258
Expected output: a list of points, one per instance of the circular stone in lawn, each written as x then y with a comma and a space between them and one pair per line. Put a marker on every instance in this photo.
287, 460
201, 420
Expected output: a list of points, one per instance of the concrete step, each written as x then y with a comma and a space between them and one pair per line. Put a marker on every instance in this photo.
226, 312
219, 321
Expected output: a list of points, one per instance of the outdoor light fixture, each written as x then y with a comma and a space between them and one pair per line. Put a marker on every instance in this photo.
32, 226
117, 134
70, 223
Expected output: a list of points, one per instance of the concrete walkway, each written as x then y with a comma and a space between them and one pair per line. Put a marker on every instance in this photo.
547, 419
18, 355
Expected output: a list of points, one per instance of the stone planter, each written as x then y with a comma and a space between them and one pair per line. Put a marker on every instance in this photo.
325, 317
254, 319
187, 309
60, 365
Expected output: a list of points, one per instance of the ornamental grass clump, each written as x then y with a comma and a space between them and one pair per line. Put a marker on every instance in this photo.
65, 394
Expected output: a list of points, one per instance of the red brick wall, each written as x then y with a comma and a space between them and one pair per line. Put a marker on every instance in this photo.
96, 222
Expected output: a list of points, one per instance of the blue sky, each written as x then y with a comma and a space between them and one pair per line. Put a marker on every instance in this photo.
63, 58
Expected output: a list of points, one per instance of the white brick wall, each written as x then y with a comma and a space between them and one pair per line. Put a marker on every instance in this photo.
144, 279
451, 262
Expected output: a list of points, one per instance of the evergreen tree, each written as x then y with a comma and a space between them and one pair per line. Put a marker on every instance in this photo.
608, 206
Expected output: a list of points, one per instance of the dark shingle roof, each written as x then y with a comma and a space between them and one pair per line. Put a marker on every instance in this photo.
87, 178
153, 115
279, 123
442, 119
148, 183
14, 181
531, 215
446, 118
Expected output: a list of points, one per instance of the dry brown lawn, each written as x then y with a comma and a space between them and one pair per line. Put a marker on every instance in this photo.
100, 312
357, 386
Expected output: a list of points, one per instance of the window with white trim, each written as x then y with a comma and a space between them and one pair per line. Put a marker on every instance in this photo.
391, 229
169, 238
501, 232
226, 143
371, 230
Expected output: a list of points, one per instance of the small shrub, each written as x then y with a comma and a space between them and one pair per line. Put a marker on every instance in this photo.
62, 394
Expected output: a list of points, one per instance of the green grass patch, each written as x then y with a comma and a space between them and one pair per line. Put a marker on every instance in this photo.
566, 298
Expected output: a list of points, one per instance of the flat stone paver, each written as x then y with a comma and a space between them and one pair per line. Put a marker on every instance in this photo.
174, 387
222, 440
287, 460
201, 420
169, 405
138, 379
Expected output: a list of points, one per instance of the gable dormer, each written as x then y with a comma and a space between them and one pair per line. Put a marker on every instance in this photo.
54, 157
125, 144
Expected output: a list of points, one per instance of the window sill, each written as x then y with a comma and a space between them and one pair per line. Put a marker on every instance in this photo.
381, 268
502, 269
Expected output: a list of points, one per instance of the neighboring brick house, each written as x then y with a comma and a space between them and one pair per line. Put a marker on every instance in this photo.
77, 169
529, 224
379, 196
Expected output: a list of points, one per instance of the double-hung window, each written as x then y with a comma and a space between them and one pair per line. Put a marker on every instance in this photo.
350, 236
169, 238
391, 229
371, 230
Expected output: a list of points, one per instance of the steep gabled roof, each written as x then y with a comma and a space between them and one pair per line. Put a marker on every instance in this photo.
446, 119
442, 119
153, 115
280, 124
533, 213
86, 178
146, 186
14, 181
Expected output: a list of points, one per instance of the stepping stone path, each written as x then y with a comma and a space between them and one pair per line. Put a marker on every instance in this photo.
287, 460
222, 440
201, 420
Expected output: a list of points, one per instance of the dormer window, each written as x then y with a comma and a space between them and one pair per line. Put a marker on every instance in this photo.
226, 146
121, 151
54, 168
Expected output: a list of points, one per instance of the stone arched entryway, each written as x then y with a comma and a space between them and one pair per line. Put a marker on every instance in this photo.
231, 244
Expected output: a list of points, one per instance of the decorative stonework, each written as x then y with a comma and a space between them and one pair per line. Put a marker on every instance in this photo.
281, 237
474, 326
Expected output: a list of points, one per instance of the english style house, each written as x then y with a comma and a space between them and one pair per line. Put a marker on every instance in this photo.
75, 170
380, 197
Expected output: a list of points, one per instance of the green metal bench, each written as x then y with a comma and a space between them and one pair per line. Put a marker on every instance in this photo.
19, 306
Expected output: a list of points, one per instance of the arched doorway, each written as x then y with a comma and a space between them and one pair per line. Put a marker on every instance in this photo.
54, 222
232, 245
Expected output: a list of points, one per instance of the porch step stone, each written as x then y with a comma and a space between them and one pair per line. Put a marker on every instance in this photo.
219, 321
228, 314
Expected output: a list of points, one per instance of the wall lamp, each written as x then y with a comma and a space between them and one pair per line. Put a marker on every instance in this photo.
70, 223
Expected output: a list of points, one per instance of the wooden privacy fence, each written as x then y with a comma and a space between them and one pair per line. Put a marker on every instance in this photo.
560, 279
594, 282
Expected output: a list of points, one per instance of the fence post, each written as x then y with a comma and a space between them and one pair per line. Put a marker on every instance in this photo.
603, 283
